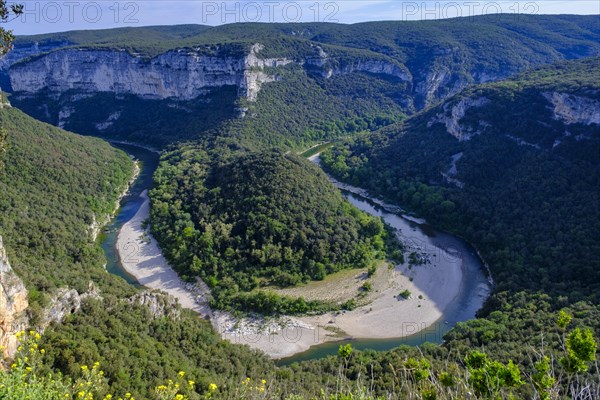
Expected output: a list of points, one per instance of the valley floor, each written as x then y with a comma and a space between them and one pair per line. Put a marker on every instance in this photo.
385, 315
142, 258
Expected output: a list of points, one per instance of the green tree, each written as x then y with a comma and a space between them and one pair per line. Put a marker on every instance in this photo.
6, 39
489, 378
7, 13
581, 349
345, 351
543, 379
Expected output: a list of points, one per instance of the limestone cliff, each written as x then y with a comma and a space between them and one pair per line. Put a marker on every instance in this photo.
453, 113
330, 67
181, 74
13, 305
572, 109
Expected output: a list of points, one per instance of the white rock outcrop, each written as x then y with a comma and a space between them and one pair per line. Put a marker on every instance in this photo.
183, 74
332, 67
454, 113
572, 109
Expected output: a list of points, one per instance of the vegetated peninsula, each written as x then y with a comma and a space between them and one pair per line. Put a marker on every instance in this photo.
260, 219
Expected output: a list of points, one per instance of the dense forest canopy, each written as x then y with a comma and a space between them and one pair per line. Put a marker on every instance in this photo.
53, 186
517, 177
258, 219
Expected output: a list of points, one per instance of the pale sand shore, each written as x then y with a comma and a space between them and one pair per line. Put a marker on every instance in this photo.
142, 258
386, 316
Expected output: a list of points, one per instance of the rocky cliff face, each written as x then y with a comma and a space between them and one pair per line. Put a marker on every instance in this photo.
331, 67
572, 109
159, 304
13, 305
21, 52
183, 74
63, 302
453, 113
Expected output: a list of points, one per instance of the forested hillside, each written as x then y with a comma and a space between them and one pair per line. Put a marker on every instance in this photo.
511, 165
255, 220
514, 167
51, 185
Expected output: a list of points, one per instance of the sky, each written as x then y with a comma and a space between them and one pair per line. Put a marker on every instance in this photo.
64, 15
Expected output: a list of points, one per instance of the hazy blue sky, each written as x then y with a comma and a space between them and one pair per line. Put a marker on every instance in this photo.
53, 16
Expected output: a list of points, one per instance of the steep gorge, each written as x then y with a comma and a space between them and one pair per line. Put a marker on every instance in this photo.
141, 91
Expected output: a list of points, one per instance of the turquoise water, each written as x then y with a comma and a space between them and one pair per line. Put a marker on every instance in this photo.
130, 204
444, 249
447, 248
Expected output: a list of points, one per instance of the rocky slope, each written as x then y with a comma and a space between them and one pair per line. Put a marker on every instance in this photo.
13, 305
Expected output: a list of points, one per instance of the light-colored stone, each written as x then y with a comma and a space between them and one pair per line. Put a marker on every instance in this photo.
63, 302
13, 305
453, 113
572, 109
159, 304
183, 73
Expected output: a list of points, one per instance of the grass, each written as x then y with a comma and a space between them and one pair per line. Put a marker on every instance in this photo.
316, 149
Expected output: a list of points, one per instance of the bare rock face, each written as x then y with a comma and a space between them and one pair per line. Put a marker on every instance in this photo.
331, 67
62, 303
183, 73
454, 113
158, 303
4, 103
13, 305
572, 109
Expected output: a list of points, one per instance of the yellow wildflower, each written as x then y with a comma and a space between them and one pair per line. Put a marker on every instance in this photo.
212, 387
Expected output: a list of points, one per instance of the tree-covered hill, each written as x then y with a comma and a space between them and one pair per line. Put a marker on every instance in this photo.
514, 167
257, 219
53, 186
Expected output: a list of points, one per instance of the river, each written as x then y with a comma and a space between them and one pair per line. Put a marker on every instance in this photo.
438, 247
474, 290
130, 204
